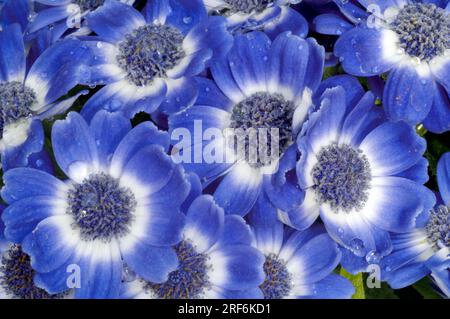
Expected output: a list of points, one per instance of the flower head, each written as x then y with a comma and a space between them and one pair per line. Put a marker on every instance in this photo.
147, 60
216, 259
361, 174
121, 201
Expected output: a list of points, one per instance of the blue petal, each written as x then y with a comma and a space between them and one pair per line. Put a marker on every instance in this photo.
407, 95
126, 98
221, 73
194, 192
19, 156
248, 60
443, 177
54, 73
325, 126
330, 23
211, 34
317, 257
238, 267
210, 95
288, 20
186, 13
295, 63
55, 282
397, 203
47, 246
151, 167
246, 187
235, 232
12, 54
20, 183
47, 17
352, 263
359, 53
157, 11
181, 93
392, 148
151, 263
356, 233
383, 5
108, 130
333, 287
105, 23
418, 172
73, 144
15, 11
143, 135
408, 275
352, 87
438, 120
100, 277
22, 217
363, 119
204, 222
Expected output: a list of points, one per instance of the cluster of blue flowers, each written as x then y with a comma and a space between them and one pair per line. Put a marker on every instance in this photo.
101, 199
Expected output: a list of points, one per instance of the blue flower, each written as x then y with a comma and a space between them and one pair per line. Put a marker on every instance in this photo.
298, 264
271, 16
121, 202
426, 249
260, 85
28, 95
408, 39
362, 174
148, 62
216, 259
62, 15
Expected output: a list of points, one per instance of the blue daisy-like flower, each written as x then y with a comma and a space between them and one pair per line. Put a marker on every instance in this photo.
271, 16
216, 259
121, 203
298, 264
426, 249
62, 15
260, 85
362, 174
147, 61
28, 95
408, 39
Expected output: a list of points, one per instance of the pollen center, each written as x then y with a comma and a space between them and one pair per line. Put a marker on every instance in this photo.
278, 282
438, 227
264, 122
89, 5
15, 102
423, 29
16, 276
149, 52
248, 6
101, 208
341, 177
189, 280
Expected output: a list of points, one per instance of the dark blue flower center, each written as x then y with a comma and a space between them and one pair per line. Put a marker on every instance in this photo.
189, 280
90, 5
263, 111
438, 227
278, 282
424, 30
101, 208
15, 102
248, 6
149, 52
17, 276
342, 177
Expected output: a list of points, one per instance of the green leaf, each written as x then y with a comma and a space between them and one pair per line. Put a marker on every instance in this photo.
357, 281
